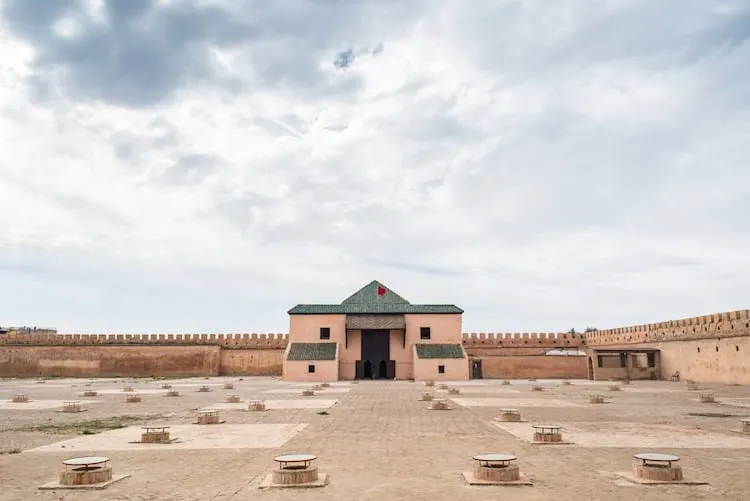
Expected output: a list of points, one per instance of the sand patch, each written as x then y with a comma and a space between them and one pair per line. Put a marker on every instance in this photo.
631, 435
514, 403
220, 436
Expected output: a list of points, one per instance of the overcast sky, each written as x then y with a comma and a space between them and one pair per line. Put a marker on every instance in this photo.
203, 166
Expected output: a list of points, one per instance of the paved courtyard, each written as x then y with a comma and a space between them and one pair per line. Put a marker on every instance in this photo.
376, 440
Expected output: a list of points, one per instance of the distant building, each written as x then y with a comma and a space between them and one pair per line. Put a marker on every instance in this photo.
26, 330
375, 334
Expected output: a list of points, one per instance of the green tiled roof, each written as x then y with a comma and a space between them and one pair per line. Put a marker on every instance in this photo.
312, 351
369, 300
428, 350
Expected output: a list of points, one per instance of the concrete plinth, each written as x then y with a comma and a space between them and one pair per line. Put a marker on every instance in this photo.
155, 437
295, 476
509, 415
547, 438
82, 476
509, 473
256, 406
706, 398
439, 405
657, 473
212, 419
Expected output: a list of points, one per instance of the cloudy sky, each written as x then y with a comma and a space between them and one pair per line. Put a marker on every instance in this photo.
205, 165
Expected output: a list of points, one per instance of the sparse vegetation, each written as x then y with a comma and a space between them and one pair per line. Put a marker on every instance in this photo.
90, 427
10, 451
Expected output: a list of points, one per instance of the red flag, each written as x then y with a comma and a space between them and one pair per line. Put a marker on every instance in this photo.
381, 290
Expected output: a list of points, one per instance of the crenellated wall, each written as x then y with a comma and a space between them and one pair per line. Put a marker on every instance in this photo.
709, 348
719, 325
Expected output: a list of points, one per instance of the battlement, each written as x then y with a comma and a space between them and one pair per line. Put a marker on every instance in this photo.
718, 325
525, 339
229, 341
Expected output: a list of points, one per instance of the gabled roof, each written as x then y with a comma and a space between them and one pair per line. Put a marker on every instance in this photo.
373, 298
375, 293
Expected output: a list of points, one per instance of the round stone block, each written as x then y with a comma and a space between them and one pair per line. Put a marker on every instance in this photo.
155, 437
509, 415
20, 399
547, 437
172, 393
308, 393
295, 475
706, 398
208, 419
745, 426
537, 387
256, 406
439, 405
234, 399
71, 408
429, 383
128, 388
567, 383
596, 399
505, 473
325, 385
90, 393
427, 397
506, 382
132, 399
82, 476
166, 386
454, 391
614, 387
661, 473
228, 386
204, 389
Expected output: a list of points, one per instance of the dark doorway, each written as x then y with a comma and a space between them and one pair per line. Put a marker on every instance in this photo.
591, 369
476, 369
383, 370
368, 370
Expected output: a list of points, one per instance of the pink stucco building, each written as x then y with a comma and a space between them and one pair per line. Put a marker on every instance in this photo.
375, 334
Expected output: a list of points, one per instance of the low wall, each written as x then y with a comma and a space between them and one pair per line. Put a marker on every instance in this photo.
109, 361
533, 366
251, 362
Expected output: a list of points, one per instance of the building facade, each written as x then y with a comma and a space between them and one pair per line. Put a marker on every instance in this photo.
375, 334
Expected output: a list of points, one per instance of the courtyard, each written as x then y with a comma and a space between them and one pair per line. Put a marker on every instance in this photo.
375, 439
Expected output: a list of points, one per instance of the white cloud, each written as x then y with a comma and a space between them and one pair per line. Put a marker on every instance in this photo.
541, 167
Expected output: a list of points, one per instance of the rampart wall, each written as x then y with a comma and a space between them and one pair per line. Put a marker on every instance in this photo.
710, 348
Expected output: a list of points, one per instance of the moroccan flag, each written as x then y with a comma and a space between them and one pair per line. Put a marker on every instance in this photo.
381, 290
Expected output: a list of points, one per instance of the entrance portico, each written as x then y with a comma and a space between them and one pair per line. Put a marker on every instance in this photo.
374, 334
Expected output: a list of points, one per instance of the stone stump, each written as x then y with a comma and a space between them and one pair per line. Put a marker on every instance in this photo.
429, 383
325, 385
745, 425
20, 398
166, 386
86, 476
256, 405
547, 434
614, 387
234, 399
228, 386
454, 391
172, 393
442, 386
657, 467
706, 397
537, 387
596, 398
499, 473
308, 393
506, 382
295, 475
208, 417
132, 399
128, 388
439, 405
72, 406
427, 397
90, 393
204, 389
509, 415
155, 437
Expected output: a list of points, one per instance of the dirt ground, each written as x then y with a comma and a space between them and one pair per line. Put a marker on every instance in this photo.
376, 440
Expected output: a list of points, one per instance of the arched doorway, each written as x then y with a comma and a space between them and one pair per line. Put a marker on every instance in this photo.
382, 370
591, 368
368, 370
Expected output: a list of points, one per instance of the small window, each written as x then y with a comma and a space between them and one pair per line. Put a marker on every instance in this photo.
311, 368
325, 333
441, 369
424, 333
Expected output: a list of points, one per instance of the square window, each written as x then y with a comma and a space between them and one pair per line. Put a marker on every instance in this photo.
424, 333
310, 368
441, 369
325, 333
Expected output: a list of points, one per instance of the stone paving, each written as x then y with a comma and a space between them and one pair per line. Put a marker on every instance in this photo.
379, 442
